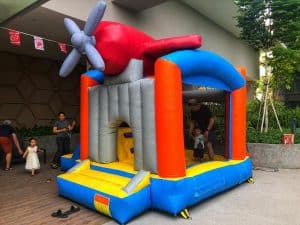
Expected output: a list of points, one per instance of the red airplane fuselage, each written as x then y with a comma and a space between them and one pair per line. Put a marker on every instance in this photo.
118, 43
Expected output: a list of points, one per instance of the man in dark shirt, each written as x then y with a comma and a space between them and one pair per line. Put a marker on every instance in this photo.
202, 117
62, 128
7, 135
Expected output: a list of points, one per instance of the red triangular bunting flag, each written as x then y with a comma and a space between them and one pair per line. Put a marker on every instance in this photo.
62, 47
38, 43
14, 37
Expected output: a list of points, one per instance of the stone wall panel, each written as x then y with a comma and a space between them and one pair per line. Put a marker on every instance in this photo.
10, 111
25, 118
10, 95
32, 93
25, 87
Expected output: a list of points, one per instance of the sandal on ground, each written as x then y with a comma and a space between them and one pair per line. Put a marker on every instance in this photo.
49, 180
7, 169
73, 209
59, 214
54, 166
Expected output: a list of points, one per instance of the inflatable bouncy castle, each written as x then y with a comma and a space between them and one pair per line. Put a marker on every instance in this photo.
123, 171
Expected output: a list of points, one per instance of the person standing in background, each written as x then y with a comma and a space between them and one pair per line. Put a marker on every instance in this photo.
7, 138
62, 128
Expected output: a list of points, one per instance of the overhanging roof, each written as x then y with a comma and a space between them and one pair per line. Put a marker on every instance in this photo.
221, 12
137, 5
9, 8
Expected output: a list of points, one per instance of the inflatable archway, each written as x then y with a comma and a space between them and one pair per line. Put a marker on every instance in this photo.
203, 68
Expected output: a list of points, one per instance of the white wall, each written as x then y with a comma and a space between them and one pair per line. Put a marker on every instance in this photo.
170, 19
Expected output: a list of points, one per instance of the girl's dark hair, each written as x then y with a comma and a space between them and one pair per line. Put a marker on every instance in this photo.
30, 139
61, 113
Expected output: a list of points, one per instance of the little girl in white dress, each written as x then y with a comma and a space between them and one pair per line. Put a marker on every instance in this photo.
32, 159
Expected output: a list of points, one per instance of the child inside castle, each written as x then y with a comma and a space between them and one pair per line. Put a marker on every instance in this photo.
32, 159
198, 144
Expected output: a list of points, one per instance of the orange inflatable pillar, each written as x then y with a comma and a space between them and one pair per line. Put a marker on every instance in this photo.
85, 83
238, 120
169, 120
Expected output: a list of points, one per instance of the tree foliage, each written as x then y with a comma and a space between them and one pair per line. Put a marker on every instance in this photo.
286, 22
252, 20
273, 26
284, 65
273, 136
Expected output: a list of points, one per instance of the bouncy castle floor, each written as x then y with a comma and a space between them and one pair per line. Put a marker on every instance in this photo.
128, 167
190, 161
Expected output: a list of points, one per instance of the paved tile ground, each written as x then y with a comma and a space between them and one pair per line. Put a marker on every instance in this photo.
26, 200
274, 199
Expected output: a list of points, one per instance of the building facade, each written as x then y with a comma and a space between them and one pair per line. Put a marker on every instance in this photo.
50, 94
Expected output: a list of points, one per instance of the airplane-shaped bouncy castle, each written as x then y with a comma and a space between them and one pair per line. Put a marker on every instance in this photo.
124, 171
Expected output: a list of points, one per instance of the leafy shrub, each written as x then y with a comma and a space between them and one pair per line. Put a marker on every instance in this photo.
273, 136
284, 113
252, 114
297, 136
38, 131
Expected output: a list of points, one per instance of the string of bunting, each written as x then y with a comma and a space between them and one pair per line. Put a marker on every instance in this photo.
15, 39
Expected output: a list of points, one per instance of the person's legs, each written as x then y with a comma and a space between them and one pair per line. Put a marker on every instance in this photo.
210, 149
209, 144
58, 153
201, 152
8, 160
196, 154
32, 172
6, 145
66, 146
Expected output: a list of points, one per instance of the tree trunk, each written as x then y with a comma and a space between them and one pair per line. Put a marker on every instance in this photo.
265, 119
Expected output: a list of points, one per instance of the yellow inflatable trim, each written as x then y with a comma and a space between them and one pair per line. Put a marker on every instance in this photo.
126, 167
68, 156
100, 181
196, 169
208, 166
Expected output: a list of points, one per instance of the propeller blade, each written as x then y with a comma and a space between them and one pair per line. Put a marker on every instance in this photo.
94, 57
94, 18
71, 26
69, 63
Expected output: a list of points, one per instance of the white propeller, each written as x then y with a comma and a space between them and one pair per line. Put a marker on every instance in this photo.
84, 41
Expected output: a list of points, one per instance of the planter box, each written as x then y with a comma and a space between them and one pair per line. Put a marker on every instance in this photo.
275, 155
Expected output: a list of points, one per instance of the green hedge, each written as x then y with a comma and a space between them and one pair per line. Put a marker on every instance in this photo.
38, 131
273, 136
284, 113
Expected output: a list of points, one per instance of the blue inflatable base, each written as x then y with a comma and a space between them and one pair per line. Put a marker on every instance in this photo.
189, 191
121, 209
67, 162
169, 195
